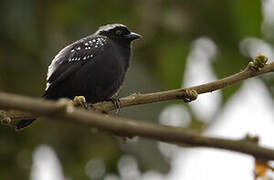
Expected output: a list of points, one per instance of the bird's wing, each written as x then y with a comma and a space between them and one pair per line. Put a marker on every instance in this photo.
72, 58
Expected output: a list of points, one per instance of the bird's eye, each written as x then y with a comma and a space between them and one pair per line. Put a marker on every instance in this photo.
118, 32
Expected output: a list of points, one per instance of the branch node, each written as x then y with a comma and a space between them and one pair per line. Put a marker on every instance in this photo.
257, 63
4, 118
251, 138
189, 95
79, 101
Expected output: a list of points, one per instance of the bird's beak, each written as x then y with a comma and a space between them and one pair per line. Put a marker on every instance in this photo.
133, 36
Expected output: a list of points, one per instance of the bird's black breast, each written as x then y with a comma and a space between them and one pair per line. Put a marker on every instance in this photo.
95, 71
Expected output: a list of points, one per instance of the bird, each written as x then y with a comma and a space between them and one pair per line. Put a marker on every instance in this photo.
94, 67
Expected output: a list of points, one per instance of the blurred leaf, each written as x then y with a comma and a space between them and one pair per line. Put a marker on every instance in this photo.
247, 19
171, 63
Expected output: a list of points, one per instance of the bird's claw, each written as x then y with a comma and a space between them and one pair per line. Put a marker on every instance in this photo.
117, 103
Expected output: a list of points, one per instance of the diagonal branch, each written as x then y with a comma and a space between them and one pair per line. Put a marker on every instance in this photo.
256, 67
63, 110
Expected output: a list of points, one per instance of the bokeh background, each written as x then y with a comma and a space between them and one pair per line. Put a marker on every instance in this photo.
185, 43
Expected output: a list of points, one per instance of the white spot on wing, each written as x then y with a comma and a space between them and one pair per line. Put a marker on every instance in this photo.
48, 85
60, 57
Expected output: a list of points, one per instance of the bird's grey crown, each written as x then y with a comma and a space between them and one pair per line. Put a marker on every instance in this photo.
81, 50
109, 27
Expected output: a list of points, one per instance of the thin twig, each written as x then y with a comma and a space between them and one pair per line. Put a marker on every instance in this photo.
256, 67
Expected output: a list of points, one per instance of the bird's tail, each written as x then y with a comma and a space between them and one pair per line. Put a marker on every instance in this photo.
27, 122
24, 123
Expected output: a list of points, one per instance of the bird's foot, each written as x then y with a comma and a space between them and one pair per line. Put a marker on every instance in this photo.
117, 103
80, 101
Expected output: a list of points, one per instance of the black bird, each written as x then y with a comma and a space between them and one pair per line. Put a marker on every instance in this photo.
93, 67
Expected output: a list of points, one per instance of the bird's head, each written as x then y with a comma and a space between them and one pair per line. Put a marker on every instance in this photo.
117, 32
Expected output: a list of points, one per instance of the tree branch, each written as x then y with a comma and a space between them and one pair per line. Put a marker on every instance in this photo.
256, 67
66, 111
63, 110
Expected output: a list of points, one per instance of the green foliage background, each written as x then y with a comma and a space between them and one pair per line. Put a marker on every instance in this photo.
33, 31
